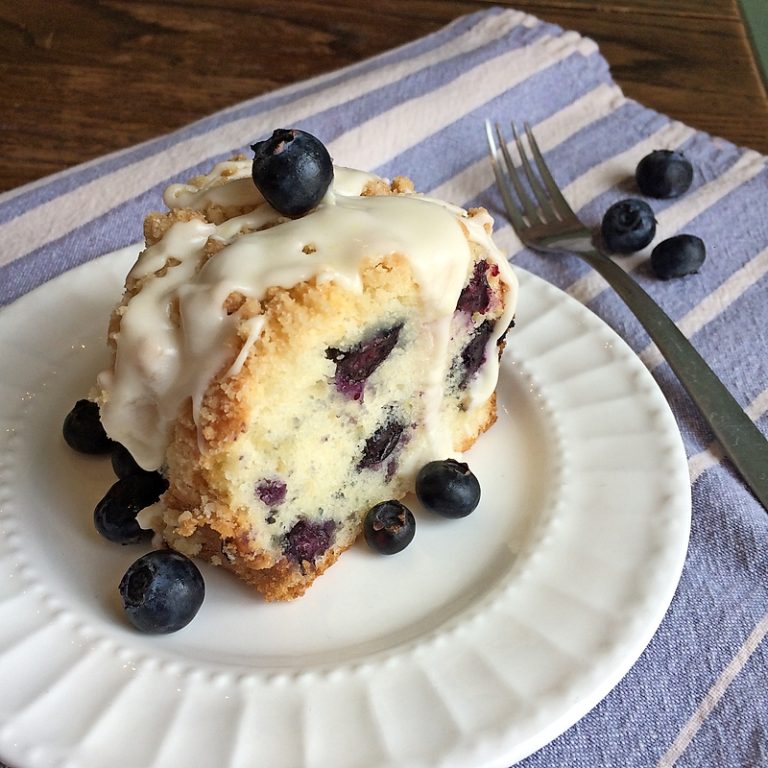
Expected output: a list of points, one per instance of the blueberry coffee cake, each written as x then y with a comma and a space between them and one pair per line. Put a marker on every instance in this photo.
296, 341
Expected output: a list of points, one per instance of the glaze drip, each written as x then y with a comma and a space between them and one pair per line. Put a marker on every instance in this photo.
176, 334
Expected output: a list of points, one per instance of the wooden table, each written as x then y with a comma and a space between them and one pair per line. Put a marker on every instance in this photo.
84, 77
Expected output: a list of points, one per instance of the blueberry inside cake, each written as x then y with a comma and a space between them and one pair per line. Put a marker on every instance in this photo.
287, 372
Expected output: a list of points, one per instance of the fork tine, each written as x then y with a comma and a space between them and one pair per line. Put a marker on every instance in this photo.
513, 211
564, 210
538, 190
514, 177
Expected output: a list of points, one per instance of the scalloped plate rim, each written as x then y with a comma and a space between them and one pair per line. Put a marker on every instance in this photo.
501, 752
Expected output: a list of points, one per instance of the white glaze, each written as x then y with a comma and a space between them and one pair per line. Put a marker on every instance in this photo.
159, 364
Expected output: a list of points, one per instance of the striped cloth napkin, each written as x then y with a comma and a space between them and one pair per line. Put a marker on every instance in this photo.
698, 696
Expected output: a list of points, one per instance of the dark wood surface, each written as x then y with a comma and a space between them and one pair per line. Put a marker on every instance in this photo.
84, 77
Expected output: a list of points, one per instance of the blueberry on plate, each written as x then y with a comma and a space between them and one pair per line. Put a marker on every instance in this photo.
628, 226
83, 430
115, 515
162, 592
664, 173
293, 170
389, 527
678, 256
448, 487
123, 463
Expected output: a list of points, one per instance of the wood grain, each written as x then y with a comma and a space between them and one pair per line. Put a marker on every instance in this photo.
81, 78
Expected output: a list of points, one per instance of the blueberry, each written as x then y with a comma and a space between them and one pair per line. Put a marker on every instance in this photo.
355, 365
162, 592
448, 487
115, 515
628, 226
473, 355
381, 444
271, 492
293, 170
83, 430
389, 527
664, 173
678, 256
476, 294
307, 541
123, 464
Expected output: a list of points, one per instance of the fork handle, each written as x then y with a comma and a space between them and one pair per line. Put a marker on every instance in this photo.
739, 437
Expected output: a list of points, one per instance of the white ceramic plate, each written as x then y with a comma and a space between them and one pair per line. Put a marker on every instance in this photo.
478, 644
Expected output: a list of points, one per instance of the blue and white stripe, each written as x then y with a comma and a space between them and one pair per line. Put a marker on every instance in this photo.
698, 696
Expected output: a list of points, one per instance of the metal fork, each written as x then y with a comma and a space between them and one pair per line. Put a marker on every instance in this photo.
545, 222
